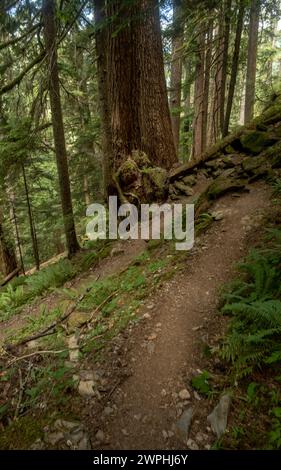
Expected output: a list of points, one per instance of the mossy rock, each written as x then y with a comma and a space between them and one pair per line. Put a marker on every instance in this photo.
263, 171
128, 172
154, 184
228, 162
141, 159
78, 319
255, 142
273, 154
189, 180
272, 113
229, 149
222, 185
214, 164
250, 164
183, 188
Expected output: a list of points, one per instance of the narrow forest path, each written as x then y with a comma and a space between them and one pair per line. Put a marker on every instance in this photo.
164, 351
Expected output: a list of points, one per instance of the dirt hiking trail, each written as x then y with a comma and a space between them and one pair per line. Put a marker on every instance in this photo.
164, 350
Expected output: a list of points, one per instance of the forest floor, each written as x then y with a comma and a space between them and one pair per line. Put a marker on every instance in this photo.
165, 351
144, 372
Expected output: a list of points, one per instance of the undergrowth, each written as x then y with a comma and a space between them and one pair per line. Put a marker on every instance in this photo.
25, 289
251, 349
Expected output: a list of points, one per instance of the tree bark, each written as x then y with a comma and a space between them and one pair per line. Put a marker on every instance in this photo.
7, 254
198, 99
187, 109
225, 46
50, 35
176, 71
31, 223
102, 41
133, 90
208, 60
234, 67
252, 60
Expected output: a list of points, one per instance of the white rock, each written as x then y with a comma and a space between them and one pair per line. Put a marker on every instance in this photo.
184, 394
86, 388
191, 444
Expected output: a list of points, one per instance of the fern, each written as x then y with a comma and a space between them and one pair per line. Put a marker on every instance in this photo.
254, 301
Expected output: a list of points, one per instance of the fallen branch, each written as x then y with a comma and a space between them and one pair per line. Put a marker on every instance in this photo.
10, 277
27, 356
53, 326
99, 307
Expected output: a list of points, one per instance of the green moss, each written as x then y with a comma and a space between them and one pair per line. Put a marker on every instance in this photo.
251, 164
141, 159
222, 185
256, 141
228, 163
21, 434
189, 180
128, 172
183, 188
229, 149
154, 183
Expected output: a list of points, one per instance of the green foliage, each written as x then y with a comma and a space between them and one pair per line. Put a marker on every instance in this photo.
201, 383
203, 222
254, 337
277, 187
51, 277
275, 433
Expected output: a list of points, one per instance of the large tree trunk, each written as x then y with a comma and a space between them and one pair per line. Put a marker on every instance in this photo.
50, 34
234, 67
252, 60
7, 253
132, 83
176, 71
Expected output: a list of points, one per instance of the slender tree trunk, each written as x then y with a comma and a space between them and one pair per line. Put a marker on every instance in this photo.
49, 20
252, 60
13, 218
7, 254
234, 66
86, 190
176, 71
225, 47
187, 109
216, 89
102, 42
31, 223
198, 99
208, 61
132, 84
